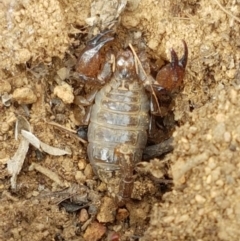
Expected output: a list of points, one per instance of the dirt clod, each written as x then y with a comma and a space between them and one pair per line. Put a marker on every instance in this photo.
88, 171
65, 93
81, 164
83, 215
107, 210
138, 212
5, 87
94, 232
24, 95
80, 177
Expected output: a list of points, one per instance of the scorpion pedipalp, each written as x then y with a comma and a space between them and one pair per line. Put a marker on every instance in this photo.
183, 61
91, 61
169, 82
96, 40
170, 77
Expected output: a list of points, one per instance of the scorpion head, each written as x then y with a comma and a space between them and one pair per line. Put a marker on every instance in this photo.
125, 65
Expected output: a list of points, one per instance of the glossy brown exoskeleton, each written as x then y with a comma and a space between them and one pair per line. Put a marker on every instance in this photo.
92, 64
121, 116
169, 82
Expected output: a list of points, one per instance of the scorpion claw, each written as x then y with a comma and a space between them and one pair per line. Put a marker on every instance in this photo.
90, 60
99, 41
171, 76
95, 39
174, 59
183, 61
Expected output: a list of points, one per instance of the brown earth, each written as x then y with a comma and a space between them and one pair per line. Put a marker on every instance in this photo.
38, 44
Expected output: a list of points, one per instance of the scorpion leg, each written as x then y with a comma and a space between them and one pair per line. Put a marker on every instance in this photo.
158, 149
82, 132
87, 102
159, 130
90, 98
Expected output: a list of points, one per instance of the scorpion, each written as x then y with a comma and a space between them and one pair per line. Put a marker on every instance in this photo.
125, 108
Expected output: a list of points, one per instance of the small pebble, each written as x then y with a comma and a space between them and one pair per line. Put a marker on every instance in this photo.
4, 87
231, 73
122, 214
197, 187
6, 99
82, 164
193, 129
94, 232
113, 236
117, 228
35, 193
220, 117
102, 187
4, 127
24, 95
88, 171
168, 219
201, 212
80, 177
209, 179
63, 73
184, 140
207, 170
200, 199
220, 183
83, 215
153, 43
233, 96
183, 218
218, 132
227, 136
107, 210
212, 163
215, 174
65, 93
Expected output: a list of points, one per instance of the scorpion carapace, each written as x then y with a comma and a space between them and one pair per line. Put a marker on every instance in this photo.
120, 117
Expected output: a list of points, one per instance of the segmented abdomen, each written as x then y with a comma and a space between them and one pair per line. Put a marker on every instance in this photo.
119, 116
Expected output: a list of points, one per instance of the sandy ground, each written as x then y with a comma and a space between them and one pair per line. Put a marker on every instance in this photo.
39, 44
